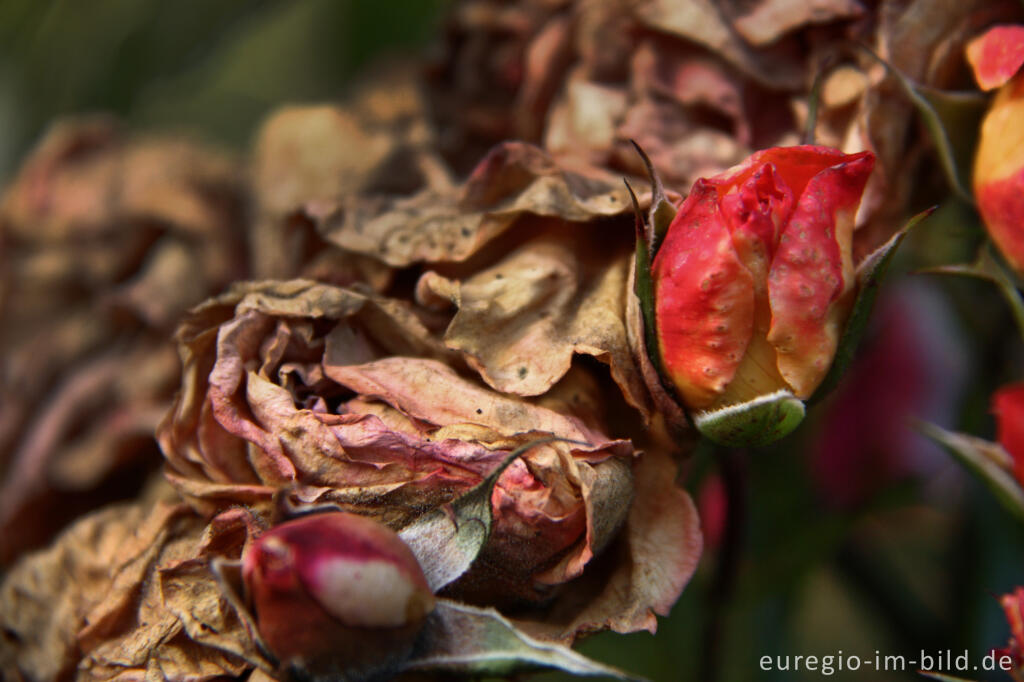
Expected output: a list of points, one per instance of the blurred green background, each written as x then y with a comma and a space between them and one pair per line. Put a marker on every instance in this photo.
919, 563
212, 67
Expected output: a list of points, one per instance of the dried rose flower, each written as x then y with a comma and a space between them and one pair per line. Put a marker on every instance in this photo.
996, 57
316, 388
754, 279
125, 592
107, 238
336, 595
150, 589
1008, 407
701, 85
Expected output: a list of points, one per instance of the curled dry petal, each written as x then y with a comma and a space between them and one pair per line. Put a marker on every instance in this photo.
309, 157
127, 592
643, 573
121, 594
561, 289
445, 223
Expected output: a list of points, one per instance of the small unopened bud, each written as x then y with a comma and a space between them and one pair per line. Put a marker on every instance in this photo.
336, 595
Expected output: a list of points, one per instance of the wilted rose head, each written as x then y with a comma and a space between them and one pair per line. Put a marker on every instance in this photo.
996, 57
755, 278
285, 387
336, 593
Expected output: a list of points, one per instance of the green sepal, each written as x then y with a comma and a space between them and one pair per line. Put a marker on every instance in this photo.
813, 101
643, 285
662, 212
468, 641
986, 460
986, 266
447, 540
650, 230
752, 424
869, 278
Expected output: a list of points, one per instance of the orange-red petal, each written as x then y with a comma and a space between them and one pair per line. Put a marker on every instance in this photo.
996, 55
795, 165
704, 299
811, 272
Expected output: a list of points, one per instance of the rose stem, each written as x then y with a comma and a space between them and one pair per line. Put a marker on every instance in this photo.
733, 470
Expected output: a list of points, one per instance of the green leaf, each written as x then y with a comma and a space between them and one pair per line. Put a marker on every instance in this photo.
986, 460
448, 539
757, 422
988, 267
869, 278
474, 642
933, 122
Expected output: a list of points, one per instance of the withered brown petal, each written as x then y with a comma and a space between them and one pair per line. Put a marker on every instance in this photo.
564, 291
432, 392
127, 593
703, 22
76, 596
206, 436
310, 157
658, 553
450, 224
767, 20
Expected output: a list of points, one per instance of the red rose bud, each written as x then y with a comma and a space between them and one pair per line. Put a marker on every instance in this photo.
755, 279
336, 595
1008, 407
996, 57
1013, 607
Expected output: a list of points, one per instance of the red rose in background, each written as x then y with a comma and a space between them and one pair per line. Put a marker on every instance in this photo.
996, 57
1008, 407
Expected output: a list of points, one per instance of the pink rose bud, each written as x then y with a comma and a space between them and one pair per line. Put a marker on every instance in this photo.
755, 278
996, 57
1008, 407
336, 595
